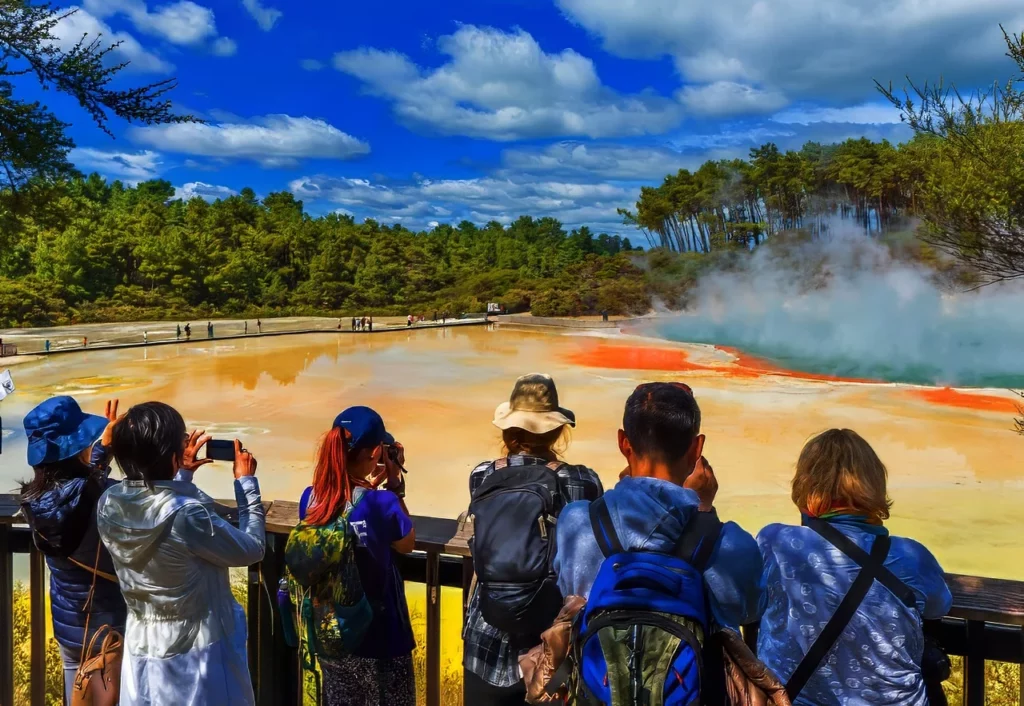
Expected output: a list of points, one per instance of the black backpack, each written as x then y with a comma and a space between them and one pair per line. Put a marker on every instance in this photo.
513, 546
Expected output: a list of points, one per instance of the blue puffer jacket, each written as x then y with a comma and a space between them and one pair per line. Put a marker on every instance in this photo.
59, 513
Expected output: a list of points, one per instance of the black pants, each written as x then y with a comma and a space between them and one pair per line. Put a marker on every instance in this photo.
477, 692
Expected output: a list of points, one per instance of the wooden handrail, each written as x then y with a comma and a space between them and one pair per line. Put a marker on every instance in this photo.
974, 598
984, 623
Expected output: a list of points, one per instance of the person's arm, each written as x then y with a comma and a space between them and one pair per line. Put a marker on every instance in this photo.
734, 578
218, 542
925, 577
396, 514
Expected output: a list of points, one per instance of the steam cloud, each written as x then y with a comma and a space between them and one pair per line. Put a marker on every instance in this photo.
844, 306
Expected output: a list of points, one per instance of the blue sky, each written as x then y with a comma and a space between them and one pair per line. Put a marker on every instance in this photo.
424, 112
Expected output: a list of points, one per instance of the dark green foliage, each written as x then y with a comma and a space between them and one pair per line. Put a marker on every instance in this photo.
88, 251
33, 142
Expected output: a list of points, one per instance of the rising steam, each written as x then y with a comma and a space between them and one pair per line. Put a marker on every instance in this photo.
845, 306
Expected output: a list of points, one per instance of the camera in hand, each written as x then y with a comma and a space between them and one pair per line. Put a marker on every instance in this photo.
220, 450
393, 455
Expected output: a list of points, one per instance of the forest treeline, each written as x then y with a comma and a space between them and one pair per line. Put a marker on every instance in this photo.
739, 202
89, 250
85, 249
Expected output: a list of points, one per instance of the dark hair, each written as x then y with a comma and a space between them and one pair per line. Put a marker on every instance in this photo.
49, 475
661, 420
145, 441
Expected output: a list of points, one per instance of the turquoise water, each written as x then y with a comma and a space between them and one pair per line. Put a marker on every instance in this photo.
957, 361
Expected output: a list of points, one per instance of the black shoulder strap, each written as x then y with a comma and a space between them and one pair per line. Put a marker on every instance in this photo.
604, 531
844, 613
848, 547
700, 537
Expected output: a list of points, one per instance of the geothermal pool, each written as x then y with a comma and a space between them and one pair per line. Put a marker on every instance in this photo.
950, 452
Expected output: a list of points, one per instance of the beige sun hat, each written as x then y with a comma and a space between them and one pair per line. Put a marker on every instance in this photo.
533, 406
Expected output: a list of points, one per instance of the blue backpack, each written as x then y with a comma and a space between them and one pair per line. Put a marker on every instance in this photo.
639, 639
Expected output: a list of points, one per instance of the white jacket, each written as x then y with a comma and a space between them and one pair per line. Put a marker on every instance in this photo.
185, 639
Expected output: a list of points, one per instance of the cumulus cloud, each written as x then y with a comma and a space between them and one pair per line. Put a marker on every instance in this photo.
651, 162
183, 22
606, 161
808, 48
273, 140
126, 166
224, 46
504, 86
730, 98
417, 203
312, 65
266, 17
198, 189
81, 23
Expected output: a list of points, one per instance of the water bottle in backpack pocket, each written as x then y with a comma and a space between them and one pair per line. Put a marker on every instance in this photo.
513, 546
640, 638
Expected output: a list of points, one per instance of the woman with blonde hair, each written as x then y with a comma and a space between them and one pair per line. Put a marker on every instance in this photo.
515, 502
845, 600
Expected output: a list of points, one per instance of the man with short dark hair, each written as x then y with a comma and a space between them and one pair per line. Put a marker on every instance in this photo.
666, 482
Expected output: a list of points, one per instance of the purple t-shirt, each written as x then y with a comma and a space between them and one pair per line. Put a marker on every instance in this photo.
378, 520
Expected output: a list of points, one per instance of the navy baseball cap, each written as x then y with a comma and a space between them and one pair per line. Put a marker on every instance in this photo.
365, 426
58, 429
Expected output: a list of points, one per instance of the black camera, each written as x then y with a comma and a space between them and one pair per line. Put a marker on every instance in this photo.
393, 455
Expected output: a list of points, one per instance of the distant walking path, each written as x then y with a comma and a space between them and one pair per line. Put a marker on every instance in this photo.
581, 322
86, 337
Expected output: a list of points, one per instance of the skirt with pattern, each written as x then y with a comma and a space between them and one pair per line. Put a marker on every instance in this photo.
360, 681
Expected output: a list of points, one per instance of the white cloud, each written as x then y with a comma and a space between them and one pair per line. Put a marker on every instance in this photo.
312, 65
273, 140
419, 203
183, 22
224, 46
864, 114
126, 166
81, 23
266, 17
198, 189
504, 86
620, 162
808, 48
730, 98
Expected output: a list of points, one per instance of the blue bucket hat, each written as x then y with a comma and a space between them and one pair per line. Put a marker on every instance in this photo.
58, 429
365, 426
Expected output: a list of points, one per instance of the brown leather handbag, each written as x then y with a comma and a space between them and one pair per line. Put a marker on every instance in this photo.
98, 679
748, 682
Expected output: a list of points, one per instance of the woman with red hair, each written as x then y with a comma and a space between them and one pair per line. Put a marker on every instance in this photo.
359, 468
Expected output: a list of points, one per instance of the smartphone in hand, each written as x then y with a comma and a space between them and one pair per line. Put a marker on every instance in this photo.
220, 450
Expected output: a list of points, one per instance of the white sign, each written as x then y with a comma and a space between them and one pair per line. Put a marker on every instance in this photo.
6, 384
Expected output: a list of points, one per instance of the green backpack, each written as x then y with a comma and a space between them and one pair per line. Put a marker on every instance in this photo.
331, 612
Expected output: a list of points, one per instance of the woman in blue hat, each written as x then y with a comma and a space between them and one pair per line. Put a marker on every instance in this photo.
359, 471
59, 504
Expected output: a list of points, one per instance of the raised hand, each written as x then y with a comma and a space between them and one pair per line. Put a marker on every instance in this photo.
245, 462
110, 412
193, 445
704, 483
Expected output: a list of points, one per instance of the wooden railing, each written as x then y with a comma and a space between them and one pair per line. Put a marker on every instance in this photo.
985, 623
